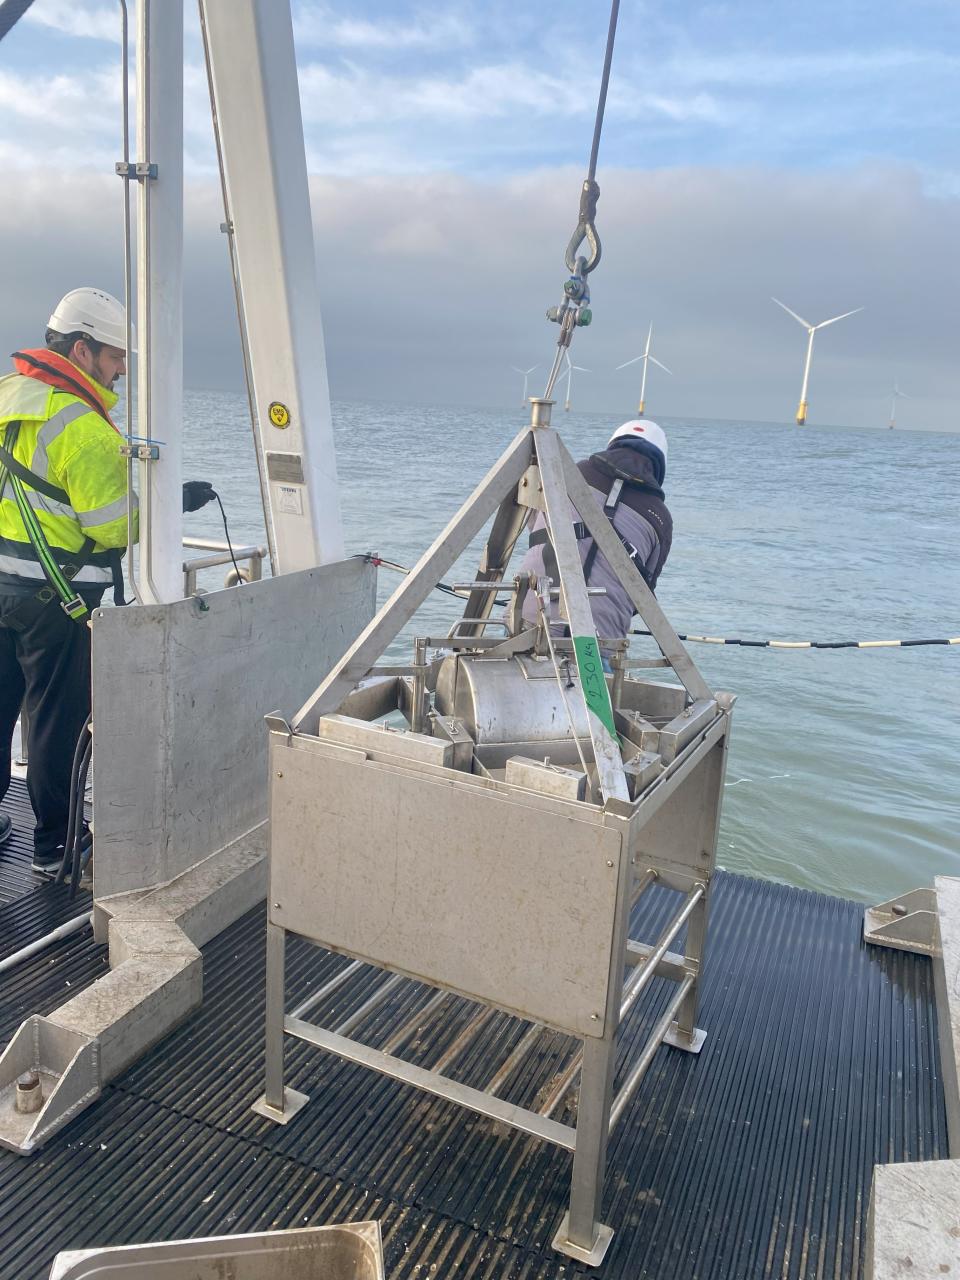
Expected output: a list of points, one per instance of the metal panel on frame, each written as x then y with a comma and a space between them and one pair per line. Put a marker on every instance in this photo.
447, 882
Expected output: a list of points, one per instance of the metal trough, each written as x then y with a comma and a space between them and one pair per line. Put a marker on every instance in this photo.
351, 1251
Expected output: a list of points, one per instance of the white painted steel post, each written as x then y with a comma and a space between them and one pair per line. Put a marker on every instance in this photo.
254, 76
160, 295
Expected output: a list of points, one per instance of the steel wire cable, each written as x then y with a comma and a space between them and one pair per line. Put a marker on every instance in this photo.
604, 83
573, 311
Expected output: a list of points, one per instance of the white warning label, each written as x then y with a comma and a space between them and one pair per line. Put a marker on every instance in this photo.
290, 499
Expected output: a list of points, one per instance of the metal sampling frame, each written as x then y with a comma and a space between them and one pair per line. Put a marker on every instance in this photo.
493, 851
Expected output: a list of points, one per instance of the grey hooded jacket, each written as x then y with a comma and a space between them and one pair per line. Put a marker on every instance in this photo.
641, 519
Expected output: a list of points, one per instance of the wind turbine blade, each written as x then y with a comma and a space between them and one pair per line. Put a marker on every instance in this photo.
823, 323
799, 319
580, 367
629, 362
655, 361
646, 350
523, 372
533, 368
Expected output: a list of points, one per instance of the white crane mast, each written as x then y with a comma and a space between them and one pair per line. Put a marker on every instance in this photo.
254, 85
160, 295
254, 77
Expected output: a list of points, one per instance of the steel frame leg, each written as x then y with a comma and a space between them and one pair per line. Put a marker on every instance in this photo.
581, 1234
684, 1033
278, 1103
273, 1024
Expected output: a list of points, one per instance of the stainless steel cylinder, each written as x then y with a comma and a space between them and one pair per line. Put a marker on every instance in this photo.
515, 699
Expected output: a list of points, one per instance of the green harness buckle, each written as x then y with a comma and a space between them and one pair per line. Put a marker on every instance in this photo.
75, 609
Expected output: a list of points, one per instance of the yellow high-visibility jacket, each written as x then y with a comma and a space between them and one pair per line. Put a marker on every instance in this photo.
68, 444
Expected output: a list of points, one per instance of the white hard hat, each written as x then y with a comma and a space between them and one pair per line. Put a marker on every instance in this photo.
94, 312
642, 429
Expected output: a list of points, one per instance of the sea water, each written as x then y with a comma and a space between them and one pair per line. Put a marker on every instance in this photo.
844, 764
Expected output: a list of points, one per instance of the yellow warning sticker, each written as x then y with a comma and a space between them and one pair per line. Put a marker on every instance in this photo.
279, 414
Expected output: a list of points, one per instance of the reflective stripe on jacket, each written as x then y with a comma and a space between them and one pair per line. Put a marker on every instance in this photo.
64, 441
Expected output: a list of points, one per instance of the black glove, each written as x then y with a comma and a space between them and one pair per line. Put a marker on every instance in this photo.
197, 493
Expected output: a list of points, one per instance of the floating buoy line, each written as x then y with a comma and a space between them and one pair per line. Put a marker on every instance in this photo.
371, 558
810, 644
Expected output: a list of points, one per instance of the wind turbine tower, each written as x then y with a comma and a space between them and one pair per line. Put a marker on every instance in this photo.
647, 358
811, 330
897, 395
526, 376
570, 369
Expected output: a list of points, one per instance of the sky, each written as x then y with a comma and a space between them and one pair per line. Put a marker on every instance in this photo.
750, 149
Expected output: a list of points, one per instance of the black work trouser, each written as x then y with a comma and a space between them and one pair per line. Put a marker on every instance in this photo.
46, 667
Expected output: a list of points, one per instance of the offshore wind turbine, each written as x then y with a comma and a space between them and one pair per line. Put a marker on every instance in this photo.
647, 358
526, 375
569, 376
811, 330
897, 395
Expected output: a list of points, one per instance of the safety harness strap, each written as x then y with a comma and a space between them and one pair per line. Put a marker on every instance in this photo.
58, 576
30, 477
540, 537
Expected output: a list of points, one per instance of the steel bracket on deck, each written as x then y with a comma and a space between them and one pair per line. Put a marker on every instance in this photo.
908, 923
60, 1067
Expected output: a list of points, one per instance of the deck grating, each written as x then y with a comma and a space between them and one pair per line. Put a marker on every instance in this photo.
16, 878
753, 1160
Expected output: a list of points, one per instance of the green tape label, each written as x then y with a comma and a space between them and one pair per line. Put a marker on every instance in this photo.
596, 693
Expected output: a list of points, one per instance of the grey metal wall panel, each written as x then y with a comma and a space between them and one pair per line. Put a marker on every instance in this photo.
461, 886
179, 696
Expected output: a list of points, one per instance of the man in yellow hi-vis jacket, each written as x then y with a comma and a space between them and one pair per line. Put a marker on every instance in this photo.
63, 523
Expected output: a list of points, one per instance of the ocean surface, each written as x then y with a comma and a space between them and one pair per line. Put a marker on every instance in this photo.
845, 764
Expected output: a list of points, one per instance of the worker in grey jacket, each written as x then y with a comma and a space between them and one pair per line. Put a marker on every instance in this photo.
627, 480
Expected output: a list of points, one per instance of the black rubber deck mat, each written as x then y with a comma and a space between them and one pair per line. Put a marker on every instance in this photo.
16, 878
30, 905
752, 1160
44, 982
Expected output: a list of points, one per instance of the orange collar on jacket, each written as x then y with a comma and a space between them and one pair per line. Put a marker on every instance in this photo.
57, 371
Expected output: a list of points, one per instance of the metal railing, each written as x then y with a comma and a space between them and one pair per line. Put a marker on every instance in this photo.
219, 553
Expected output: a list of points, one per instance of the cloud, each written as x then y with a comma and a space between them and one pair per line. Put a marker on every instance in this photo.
87, 100
354, 95
749, 69
96, 22
492, 90
433, 287
420, 31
